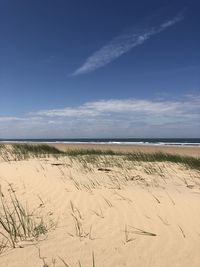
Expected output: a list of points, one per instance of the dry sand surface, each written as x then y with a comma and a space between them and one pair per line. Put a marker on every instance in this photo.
106, 212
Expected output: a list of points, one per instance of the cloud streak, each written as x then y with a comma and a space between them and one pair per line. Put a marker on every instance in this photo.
110, 118
108, 107
123, 44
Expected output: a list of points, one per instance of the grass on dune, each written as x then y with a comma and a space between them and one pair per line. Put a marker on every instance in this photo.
191, 162
24, 151
86, 152
17, 223
4, 152
2, 148
36, 149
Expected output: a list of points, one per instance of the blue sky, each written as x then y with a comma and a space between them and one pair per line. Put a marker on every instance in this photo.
99, 68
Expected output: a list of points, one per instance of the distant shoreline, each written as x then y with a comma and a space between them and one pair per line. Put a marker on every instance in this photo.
181, 142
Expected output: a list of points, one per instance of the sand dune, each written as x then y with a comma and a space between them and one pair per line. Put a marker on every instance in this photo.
107, 212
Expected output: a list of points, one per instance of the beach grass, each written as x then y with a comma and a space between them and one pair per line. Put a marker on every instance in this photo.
191, 162
25, 151
188, 161
17, 223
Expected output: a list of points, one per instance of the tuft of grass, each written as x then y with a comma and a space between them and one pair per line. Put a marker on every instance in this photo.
17, 223
4, 152
2, 146
25, 151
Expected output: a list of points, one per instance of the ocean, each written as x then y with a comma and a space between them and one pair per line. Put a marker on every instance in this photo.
114, 141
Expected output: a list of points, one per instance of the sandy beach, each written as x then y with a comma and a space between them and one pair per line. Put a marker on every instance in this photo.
102, 211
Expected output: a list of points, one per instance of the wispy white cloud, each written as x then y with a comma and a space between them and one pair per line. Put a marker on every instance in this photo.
122, 44
110, 118
188, 105
102, 107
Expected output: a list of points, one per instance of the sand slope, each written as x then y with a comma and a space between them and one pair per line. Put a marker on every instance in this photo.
128, 214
